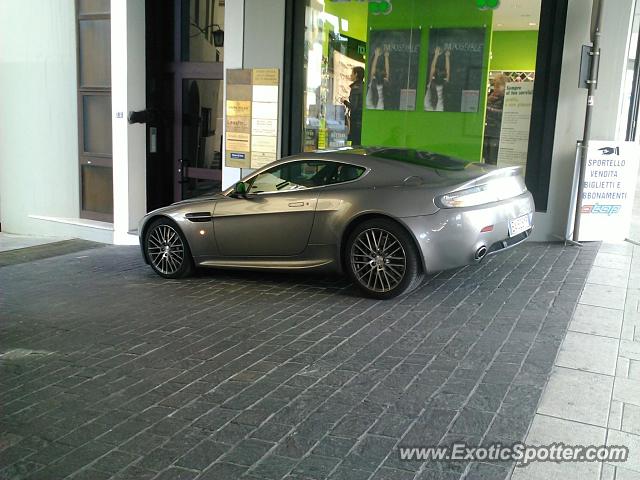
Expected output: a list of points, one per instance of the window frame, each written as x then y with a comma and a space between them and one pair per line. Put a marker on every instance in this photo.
249, 179
551, 33
85, 158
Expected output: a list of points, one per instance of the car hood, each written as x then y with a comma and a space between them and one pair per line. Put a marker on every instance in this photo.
201, 199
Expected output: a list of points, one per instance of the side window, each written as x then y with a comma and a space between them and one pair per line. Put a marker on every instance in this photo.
347, 173
303, 174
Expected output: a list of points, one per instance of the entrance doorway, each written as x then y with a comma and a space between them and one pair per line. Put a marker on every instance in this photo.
184, 99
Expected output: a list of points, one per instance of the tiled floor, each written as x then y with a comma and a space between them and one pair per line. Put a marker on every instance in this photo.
593, 396
108, 371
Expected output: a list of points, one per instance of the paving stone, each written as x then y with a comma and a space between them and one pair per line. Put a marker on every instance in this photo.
632, 442
472, 422
176, 473
331, 446
202, 455
274, 467
152, 377
576, 395
630, 419
247, 452
386, 473
603, 296
316, 467
115, 461
369, 453
547, 430
228, 471
591, 353
627, 390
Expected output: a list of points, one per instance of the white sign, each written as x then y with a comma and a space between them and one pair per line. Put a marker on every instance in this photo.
264, 126
469, 101
342, 68
609, 186
516, 120
266, 110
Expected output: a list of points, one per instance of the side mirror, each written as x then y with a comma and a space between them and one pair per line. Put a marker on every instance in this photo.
240, 189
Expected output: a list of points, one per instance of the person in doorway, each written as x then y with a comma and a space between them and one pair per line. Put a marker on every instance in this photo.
439, 77
495, 104
354, 106
378, 79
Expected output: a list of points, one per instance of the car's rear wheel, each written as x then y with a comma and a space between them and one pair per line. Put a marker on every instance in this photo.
167, 250
382, 259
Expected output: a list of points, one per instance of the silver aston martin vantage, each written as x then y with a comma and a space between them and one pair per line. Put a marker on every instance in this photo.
385, 216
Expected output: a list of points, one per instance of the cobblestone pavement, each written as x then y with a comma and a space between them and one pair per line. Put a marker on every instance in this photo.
108, 371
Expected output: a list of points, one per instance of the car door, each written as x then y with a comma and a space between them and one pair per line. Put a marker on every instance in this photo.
276, 217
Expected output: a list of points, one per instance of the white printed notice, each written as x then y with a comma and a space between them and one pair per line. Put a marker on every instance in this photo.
609, 186
516, 119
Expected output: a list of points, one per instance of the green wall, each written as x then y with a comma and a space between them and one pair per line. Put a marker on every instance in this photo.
514, 50
450, 133
355, 12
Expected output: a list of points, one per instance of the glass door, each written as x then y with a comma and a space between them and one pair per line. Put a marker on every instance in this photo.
198, 97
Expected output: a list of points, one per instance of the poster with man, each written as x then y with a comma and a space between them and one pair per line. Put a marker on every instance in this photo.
455, 64
392, 70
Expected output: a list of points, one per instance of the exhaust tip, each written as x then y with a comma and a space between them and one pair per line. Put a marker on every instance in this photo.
480, 253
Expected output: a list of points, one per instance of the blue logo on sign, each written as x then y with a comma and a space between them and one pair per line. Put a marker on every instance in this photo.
239, 156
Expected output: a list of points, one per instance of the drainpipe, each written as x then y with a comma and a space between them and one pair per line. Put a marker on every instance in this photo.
592, 82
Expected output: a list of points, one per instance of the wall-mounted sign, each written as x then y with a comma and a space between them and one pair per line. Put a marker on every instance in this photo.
265, 126
516, 120
252, 117
609, 186
238, 108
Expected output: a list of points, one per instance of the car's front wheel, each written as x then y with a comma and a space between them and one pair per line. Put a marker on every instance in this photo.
167, 250
382, 259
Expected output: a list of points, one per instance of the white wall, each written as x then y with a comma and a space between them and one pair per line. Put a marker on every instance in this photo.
617, 20
38, 114
233, 56
128, 94
254, 38
572, 103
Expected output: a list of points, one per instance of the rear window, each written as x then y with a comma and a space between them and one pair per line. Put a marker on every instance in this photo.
418, 157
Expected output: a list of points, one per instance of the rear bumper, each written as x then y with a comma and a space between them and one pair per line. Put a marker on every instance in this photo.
450, 238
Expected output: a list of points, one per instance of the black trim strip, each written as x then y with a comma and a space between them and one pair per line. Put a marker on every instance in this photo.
198, 217
553, 19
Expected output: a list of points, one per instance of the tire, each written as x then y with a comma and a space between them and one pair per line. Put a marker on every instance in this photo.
382, 259
167, 250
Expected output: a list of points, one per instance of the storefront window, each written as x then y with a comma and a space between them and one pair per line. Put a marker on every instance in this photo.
447, 77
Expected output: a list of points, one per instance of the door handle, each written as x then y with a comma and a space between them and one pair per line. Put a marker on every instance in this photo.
182, 170
296, 204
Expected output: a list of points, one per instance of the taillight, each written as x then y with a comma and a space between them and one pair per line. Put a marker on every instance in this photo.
496, 188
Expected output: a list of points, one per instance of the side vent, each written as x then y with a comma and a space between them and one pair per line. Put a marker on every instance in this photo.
198, 217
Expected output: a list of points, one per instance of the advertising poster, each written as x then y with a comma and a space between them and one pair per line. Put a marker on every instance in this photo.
516, 120
455, 65
609, 186
392, 70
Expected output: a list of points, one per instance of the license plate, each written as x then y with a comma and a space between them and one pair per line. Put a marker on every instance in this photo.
519, 225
